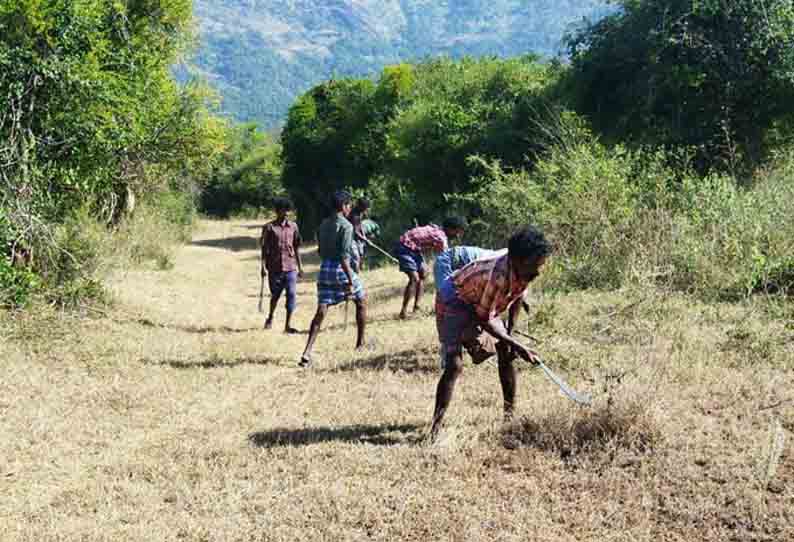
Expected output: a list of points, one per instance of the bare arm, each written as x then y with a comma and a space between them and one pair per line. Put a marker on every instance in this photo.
496, 327
264, 251
348, 273
296, 243
512, 315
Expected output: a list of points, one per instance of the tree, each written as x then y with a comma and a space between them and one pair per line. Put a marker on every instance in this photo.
711, 74
325, 145
90, 111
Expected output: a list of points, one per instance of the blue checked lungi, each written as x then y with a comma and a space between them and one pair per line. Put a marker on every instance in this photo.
332, 284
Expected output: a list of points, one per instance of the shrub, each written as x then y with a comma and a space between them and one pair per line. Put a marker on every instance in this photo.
580, 193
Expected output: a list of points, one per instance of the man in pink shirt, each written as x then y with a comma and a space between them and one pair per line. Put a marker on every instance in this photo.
409, 254
468, 315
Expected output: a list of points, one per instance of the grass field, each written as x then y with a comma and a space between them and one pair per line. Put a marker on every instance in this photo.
174, 416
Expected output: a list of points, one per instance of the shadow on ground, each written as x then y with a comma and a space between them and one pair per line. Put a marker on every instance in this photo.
200, 330
407, 361
235, 244
211, 362
253, 226
379, 435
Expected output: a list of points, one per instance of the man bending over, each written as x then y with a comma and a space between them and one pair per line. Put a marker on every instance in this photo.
409, 254
468, 310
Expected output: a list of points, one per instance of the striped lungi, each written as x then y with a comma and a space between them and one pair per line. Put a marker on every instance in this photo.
332, 284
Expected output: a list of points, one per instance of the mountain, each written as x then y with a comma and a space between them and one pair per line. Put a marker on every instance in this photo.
261, 54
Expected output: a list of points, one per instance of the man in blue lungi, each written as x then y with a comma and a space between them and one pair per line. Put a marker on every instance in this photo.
337, 281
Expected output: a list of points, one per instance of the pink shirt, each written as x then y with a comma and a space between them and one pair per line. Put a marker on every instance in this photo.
429, 237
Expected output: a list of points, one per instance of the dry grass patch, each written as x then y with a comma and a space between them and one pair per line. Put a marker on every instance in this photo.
175, 417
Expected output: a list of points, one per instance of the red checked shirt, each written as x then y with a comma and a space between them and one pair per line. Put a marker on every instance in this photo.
429, 237
280, 242
489, 285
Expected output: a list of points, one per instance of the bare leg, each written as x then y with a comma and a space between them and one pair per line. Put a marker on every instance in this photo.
273, 304
290, 302
420, 279
507, 377
361, 321
418, 294
287, 327
314, 330
410, 289
452, 370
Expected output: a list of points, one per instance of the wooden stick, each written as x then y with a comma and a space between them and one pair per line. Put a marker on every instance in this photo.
389, 256
261, 292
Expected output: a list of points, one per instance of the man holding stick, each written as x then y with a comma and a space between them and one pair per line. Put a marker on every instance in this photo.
337, 281
468, 309
281, 261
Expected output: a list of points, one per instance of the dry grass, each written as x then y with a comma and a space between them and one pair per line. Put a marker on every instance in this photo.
175, 417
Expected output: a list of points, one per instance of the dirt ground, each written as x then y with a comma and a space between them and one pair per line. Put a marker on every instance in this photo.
173, 415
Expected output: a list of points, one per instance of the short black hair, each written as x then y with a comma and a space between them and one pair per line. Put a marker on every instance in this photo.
528, 242
362, 204
340, 199
282, 204
454, 223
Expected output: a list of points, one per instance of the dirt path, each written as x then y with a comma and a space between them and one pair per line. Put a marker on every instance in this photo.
176, 417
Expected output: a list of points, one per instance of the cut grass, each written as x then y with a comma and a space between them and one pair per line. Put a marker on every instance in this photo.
176, 417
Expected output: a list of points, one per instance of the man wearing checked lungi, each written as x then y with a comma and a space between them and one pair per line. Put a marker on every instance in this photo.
337, 281
469, 305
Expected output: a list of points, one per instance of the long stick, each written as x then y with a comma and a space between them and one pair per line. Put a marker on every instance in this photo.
376, 247
261, 292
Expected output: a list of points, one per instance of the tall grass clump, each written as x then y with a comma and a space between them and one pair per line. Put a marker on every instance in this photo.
84, 249
620, 217
577, 433
736, 240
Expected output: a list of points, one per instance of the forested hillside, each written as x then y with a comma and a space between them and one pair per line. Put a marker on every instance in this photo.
261, 54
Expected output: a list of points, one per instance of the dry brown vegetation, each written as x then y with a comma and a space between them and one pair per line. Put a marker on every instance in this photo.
174, 416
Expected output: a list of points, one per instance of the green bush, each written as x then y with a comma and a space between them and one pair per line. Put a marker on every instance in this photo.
618, 217
735, 241
17, 286
580, 193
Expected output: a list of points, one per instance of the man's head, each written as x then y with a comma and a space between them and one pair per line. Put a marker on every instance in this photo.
454, 226
282, 207
362, 207
528, 250
342, 202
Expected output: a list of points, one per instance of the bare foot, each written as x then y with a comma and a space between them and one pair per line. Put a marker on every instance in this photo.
402, 316
268, 323
291, 331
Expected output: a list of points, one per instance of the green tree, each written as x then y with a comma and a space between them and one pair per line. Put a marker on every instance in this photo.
248, 174
714, 75
326, 145
90, 112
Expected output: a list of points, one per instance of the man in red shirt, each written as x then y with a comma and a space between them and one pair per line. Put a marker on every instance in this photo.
409, 254
281, 261
468, 309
